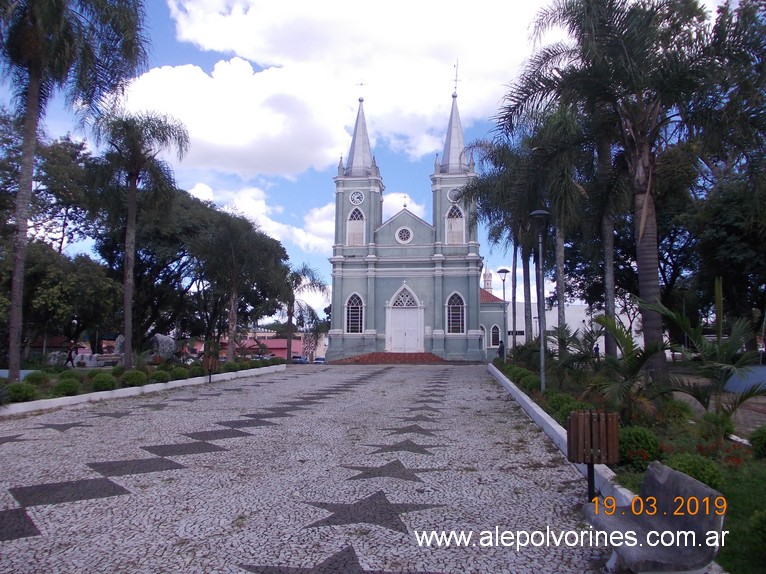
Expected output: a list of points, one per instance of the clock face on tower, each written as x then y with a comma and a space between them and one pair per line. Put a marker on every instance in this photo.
454, 194
356, 197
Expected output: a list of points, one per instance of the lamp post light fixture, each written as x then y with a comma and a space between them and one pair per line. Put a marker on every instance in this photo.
503, 272
541, 217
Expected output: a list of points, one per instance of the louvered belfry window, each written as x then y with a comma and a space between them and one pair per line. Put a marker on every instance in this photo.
355, 228
455, 225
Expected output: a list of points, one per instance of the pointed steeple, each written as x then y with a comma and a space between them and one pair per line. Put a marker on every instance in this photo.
360, 161
453, 158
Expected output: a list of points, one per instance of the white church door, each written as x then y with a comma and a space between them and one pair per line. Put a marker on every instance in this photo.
405, 324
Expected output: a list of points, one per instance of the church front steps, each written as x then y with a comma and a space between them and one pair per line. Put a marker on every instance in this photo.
391, 359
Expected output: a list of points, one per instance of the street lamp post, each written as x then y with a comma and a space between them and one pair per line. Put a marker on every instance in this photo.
503, 272
541, 216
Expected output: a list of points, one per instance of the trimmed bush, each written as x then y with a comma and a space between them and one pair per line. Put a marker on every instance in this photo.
758, 442
103, 382
160, 376
92, 373
70, 374
117, 371
66, 387
277, 361
197, 371
37, 378
20, 392
133, 378
229, 368
179, 373
699, 467
638, 447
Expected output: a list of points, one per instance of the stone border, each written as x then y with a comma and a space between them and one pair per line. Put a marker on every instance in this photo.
48, 404
605, 477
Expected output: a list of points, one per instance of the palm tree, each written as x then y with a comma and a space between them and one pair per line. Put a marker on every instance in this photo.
134, 141
88, 49
302, 280
641, 61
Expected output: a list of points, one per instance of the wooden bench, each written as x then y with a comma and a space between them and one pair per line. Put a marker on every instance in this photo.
676, 523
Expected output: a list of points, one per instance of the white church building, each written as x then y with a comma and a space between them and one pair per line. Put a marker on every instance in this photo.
405, 285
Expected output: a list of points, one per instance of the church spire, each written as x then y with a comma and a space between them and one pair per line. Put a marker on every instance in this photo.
453, 158
360, 161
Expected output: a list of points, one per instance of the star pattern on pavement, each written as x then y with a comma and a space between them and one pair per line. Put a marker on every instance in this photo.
375, 509
424, 408
412, 429
393, 469
11, 438
404, 446
62, 427
113, 415
419, 419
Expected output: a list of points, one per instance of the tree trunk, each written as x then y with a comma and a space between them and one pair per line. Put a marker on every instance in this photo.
291, 328
232, 325
648, 277
21, 215
514, 281
604, 177
129, 265
561, 297
528, 332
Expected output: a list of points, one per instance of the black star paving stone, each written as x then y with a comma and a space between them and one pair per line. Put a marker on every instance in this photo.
404, 446
426, 408
69, 491
114, 415
190, 400
154, 406
216, 434
135, 466
245, 423
11, 438
375, 509
14, 524
196, 447
419, 419
393, 469
63, 427
412, 429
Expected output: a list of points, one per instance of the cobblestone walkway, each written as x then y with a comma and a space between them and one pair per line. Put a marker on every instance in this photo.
317, 469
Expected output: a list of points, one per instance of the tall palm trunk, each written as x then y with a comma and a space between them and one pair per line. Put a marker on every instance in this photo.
514, 281
23, 200
648, 278
526, 258
290, 328
604, 176
560, 277
128, 271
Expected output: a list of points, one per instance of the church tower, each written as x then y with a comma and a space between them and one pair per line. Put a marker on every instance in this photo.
405, 285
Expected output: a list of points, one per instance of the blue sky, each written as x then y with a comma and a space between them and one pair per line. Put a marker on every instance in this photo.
269, 93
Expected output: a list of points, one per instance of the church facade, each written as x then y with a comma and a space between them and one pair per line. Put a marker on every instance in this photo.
405, 285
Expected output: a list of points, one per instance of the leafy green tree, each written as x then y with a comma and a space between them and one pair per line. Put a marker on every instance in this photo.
131, 166
86, 48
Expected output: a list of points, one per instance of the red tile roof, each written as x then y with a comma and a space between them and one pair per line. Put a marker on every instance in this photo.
487, 297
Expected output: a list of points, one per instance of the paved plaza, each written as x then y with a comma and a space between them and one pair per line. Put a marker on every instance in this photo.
316, 469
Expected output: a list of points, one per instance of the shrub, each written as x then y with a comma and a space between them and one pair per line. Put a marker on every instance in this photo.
160, 376
638, 447
758, 442
37, 378
715, 426
70, 374
758, 526
674, 412
20, 392
179, 373
197, 371
229, 368
103, 382
699, 467
118, 370
66, 387
93, 373
277, 361
133, 378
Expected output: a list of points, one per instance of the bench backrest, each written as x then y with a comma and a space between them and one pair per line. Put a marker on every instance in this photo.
683, 499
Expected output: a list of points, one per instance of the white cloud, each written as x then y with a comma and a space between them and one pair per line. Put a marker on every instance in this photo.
393, 203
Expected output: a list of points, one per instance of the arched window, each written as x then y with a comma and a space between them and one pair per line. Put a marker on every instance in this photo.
355, 228
495, 336
354, 314
455, 227
455, 314
405, 298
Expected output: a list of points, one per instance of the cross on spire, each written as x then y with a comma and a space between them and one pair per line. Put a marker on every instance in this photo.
456, 77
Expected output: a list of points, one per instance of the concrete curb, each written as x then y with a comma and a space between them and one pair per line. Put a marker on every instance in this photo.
48, 404
605, 477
